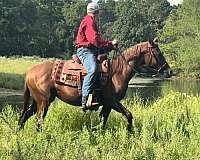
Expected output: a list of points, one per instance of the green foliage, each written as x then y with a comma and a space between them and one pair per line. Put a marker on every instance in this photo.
73, 13
49, 28
33, 27
166, 129
16, 26
138, 21
181, 37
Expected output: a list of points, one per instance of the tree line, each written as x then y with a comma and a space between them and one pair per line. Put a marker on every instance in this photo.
180, 38
48, 28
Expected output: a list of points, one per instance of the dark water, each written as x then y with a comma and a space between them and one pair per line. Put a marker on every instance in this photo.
11, 97
151, 89
147, 89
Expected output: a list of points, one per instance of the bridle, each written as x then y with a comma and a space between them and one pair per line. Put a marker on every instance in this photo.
157, 59
152, 54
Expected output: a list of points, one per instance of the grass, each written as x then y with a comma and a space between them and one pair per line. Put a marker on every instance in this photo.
166, 129
14, 65
13, 69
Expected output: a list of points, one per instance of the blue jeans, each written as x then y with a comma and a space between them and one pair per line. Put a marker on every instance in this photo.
88, 59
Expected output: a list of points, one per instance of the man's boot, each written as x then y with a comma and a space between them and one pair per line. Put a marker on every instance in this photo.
87, 103
90, 102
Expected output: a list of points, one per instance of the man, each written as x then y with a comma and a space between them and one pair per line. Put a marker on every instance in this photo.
89, 43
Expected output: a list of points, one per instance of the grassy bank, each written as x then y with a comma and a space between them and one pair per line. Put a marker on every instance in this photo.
13, 69
166, 129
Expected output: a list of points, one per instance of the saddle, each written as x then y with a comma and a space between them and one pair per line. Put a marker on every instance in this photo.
72, 72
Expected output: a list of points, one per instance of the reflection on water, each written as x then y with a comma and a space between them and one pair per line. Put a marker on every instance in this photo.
11, 97
147, 89
151, 89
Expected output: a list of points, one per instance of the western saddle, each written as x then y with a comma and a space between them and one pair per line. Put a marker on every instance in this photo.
72, 72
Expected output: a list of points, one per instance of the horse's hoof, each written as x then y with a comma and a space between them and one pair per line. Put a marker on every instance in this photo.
129, 128
20, 128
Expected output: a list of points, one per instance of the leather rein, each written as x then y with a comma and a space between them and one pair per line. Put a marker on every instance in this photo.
133, 68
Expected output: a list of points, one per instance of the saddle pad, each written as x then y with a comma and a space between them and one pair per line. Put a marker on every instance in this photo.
73, 65
72, 73
68, 72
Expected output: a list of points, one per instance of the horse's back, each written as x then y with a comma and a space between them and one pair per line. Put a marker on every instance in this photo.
41, 68
39, 76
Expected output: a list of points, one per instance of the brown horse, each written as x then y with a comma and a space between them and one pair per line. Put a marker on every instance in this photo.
43, 89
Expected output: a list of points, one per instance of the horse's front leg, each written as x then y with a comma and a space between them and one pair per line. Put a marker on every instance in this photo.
117, 106
105, 114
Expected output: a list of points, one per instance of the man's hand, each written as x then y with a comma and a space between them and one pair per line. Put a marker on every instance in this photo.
115, 43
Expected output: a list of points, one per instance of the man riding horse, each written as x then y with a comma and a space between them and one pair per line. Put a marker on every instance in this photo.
89, 43
63, 79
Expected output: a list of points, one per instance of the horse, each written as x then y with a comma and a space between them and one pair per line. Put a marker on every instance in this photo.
43, 89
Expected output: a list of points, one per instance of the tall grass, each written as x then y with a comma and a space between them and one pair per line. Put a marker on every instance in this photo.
166, 129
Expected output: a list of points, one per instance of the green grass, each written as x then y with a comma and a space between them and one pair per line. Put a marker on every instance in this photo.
16, 65
13, 69
166, 129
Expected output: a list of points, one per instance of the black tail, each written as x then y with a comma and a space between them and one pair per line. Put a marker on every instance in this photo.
26, 96
26, 104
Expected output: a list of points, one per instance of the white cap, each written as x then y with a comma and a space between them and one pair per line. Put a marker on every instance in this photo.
92, 7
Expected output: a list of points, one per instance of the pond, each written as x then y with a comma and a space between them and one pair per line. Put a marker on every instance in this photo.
150, 89
147, 88
11, 97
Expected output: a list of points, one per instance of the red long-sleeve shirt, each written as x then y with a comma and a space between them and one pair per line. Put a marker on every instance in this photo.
88, 34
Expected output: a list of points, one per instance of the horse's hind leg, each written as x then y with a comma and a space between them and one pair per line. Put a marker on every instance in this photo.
26, 114
43, 103
51, 99
42, 107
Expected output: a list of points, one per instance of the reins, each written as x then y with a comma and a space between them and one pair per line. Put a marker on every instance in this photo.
161, 67
110, 65
117, 52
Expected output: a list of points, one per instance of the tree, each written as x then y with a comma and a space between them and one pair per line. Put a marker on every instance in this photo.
138, 21
181, 37
15, 24
73, 12
49, 27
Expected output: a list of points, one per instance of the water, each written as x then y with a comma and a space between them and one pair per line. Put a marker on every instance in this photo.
11, 97
151, 89
147, 89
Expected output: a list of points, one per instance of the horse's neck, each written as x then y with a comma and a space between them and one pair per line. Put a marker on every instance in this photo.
121, 74
122, 71
123, 66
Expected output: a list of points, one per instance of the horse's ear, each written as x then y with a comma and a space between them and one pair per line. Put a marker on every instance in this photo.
154, 42
151, 43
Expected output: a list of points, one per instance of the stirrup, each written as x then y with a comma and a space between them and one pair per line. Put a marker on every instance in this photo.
90, 103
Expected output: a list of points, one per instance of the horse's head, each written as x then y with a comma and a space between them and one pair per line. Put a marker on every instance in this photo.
150, 58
